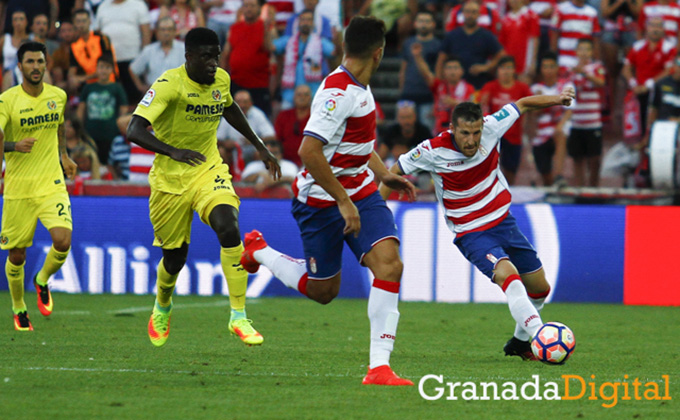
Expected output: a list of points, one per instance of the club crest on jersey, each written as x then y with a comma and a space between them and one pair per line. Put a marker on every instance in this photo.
483, 151
148, 97
312, 265
217, 95
4, 240
51, 105
331, 105
415, 155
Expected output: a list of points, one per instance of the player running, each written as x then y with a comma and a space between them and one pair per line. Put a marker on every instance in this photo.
337, 200
470, 186
32, 120
184, 106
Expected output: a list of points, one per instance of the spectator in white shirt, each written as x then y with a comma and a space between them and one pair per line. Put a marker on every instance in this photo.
164, 54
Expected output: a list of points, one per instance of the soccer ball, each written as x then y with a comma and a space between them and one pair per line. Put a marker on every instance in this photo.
553, 343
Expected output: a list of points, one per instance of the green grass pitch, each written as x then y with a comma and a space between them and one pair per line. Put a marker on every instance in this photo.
92, 359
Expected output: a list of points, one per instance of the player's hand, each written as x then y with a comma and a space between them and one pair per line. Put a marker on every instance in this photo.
350, 213
70, 167
567, 95
187, 156
401, 184
271, 163
25, 145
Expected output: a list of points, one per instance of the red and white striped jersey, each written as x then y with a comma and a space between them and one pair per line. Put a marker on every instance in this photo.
141, 161
285, 9
648, 62
343, 118
670, 13
519, 37
488, 19
547, 118
587, 108
573, 23
225, 13
540, 6
472, 191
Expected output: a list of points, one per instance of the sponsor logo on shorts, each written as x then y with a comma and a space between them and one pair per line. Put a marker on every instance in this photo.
4, 240
312, 265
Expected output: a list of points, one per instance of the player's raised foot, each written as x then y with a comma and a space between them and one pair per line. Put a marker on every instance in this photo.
383, 375
252, 241
159, 325
245, 331
21, 322
45, 303
517, 347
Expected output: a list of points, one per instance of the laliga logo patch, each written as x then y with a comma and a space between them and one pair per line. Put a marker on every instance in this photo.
148, 97
51, 105
217, 95
312, 265
416, 154
331, 105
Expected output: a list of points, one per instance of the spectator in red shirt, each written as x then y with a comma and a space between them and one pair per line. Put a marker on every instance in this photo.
246, 54
493, 96
290, 123
519, 36
448, 92
668, 11
649, 60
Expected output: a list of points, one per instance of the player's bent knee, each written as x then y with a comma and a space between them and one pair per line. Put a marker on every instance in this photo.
17, 256
62, 244
322, 291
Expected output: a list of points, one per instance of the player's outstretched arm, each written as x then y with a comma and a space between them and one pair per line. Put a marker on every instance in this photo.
531, 103
391, 179
238, 120
137, 132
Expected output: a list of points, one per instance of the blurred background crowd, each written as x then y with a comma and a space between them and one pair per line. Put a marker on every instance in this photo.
620, 55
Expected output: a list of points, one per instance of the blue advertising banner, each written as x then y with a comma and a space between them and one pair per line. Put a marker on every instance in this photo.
581, 248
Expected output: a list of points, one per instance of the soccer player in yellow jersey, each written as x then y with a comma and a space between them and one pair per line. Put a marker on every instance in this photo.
184, 107
33, 114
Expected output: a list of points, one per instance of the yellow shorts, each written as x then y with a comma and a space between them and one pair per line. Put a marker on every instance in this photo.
171, 214
20, 218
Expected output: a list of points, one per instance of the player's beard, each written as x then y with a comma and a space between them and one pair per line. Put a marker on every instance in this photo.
32, 81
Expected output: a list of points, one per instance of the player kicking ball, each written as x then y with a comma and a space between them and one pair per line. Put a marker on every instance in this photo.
185, 106
470, 186
337, 200
32, 119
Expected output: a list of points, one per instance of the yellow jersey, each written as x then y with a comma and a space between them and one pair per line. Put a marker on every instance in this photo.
39, 172
185, 115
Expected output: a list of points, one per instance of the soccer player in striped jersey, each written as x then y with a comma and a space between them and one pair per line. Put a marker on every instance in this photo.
470, 186
337, 199
32, 121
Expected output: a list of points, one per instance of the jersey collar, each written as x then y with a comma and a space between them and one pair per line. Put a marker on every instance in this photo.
351, 76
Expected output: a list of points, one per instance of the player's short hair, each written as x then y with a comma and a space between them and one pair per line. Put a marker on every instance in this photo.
363, 35
199, 37
584, 41
549, 55
81, 12
467, 111
307, 11
38, 15
32, 46
426, 12
507, 59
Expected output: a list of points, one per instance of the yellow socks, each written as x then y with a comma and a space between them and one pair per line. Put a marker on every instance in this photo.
165, 286
237, 277
15, 278
53, 262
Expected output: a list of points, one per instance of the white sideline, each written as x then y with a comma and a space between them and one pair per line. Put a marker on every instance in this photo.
136, 309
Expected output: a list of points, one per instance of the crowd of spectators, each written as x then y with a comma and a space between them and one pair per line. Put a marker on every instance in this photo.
107, 53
